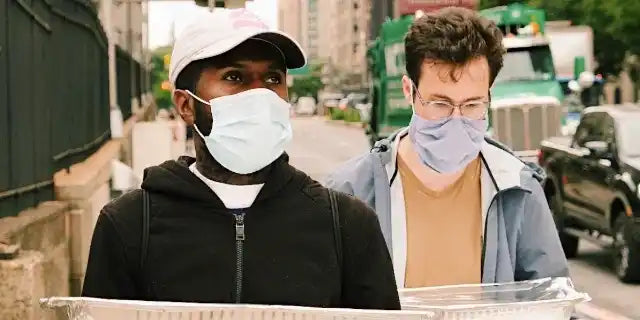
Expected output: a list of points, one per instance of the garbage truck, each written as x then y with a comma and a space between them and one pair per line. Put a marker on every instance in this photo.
527, 97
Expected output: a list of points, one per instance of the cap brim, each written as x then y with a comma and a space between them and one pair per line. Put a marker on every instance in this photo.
293, 54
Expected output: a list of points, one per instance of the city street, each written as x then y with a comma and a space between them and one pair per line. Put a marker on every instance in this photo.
320, 146
102, 89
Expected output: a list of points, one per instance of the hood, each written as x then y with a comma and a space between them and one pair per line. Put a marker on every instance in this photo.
174, 179
526, 88
633, 162
633, 167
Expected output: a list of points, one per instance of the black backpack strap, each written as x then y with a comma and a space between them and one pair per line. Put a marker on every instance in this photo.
144, 243
337, 234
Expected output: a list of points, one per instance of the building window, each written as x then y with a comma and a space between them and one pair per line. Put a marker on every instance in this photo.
355, 28
355, 48
355, 5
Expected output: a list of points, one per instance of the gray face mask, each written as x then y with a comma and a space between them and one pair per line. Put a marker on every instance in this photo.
447, 145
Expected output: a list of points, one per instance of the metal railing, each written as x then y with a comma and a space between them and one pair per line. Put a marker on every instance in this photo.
54, 95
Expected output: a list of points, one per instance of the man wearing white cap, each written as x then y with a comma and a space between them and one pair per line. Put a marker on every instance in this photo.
238, 224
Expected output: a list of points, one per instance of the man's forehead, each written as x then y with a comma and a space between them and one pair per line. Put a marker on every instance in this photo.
477, 68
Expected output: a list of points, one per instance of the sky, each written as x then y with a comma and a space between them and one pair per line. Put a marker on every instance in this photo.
162, 14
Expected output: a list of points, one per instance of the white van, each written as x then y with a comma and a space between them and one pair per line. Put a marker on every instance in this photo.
306, 106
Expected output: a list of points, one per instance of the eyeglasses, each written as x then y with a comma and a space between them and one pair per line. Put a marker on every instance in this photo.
440, 109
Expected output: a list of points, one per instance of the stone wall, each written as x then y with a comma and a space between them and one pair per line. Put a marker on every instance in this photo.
35, 260
86, 188
44, 250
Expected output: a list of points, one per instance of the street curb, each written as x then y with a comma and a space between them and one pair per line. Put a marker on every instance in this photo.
345, 123
597, 313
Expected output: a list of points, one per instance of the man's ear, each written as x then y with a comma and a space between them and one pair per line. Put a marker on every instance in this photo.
182, 101
407, 89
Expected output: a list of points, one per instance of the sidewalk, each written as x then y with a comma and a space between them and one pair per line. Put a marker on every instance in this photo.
589, 311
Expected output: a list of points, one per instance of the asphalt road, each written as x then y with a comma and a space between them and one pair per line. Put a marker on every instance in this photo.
592, 273
319, 147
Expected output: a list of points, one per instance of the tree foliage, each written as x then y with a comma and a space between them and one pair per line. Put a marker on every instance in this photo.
484, 4
307, 86
615, 26
159, 74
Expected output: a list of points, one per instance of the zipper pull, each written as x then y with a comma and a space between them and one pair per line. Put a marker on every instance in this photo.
240, 236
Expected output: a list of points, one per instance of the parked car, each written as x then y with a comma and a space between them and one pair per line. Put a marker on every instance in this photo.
306, 106
351, 100
331, 103
593, 184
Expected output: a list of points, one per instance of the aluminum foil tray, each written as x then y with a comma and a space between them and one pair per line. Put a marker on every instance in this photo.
73, 308
547, 299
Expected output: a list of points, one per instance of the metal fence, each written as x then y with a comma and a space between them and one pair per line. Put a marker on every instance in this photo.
123, 69
54, 95
130, 74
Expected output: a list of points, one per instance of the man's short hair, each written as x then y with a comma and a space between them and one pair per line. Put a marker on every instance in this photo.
188, 78
453, 36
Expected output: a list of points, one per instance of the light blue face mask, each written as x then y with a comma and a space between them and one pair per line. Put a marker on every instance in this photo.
249, 131
447, 145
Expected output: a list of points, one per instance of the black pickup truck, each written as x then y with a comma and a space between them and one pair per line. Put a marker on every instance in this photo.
593, 184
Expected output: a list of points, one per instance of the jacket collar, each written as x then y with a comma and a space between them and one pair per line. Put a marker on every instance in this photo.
504, 168
500, 164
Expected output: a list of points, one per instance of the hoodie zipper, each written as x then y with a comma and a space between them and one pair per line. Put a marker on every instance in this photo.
240, 237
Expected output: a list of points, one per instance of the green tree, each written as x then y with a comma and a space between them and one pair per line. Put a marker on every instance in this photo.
623, 22
160, 74
484, 4
307, 86
609, 49
614, 24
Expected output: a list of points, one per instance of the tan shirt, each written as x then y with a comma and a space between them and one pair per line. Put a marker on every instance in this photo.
444, 229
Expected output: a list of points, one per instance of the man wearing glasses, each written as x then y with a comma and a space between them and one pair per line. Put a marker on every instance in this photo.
454, 207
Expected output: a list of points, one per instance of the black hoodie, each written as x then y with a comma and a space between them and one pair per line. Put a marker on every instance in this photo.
288, 253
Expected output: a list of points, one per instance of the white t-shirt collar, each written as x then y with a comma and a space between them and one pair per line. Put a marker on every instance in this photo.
232, 196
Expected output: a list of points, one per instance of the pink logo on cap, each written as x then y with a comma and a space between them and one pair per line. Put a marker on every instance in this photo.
244, 18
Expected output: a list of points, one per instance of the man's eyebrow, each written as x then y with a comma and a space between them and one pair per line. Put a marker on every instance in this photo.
449, 99
277, 66
278, 69
436, 96
475, 98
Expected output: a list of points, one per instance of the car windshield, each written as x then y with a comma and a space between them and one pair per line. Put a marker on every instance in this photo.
628, 133
533, 63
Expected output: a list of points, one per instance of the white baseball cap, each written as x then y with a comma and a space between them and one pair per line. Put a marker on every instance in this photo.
217, 32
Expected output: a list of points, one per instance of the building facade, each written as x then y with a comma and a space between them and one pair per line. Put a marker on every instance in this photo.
333, 33
290, 19
125, 23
